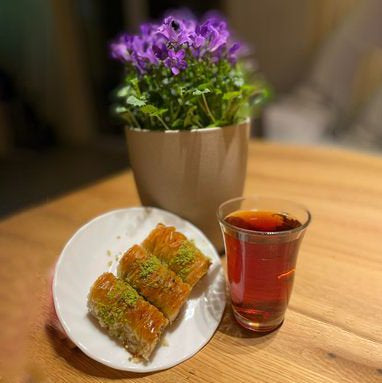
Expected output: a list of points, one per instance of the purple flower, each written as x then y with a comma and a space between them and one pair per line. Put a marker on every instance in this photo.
143, 48
148, 29
233, 52
171, 42
189, 26
119, 48
138, 49
214, 32
198, 41
210, 38
175, 61
160, 51
175, 31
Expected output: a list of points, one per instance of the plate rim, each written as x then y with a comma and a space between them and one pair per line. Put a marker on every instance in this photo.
139, 370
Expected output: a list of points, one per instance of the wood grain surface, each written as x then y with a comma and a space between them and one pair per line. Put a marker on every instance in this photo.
333, 327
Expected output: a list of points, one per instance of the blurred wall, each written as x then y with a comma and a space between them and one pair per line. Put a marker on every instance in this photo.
26, 49
42, 53
56, 53
286, 34
324, 59
77, 101
56, 77
27, 66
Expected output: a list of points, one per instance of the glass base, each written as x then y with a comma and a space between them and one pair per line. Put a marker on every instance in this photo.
257, 326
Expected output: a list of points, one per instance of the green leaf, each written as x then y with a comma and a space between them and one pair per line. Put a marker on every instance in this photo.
190, 116
149, 109
218, 123
152, 110
120, 109
123, 92
132, 100
248, 89
198, 92
177, 124
204, 89
203, 86
135, 83
238, 81
181, 90
231, 95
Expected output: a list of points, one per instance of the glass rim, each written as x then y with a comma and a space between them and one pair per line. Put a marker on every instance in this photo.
265, 233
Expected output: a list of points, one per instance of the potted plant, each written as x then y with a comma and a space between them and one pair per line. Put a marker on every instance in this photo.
186, 98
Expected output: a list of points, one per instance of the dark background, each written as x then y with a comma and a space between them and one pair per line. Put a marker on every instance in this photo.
56, 131
322, 58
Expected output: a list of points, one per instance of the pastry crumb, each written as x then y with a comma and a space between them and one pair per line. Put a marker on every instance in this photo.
135, 359
109, 263
118, 237
108, 253
164, 342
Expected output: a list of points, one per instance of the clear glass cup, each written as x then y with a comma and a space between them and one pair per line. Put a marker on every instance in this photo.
260, 263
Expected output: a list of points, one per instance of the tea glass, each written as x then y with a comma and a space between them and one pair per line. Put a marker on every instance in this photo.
261, 264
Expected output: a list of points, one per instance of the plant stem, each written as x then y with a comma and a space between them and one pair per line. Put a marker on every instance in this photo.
133, 118
163, 123
203, 108
127, 117
233, 111
137, 89
177, 113
207, 108
230, 112
172, 112
199, 124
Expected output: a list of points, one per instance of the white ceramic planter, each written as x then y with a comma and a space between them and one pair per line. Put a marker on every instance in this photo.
190, 172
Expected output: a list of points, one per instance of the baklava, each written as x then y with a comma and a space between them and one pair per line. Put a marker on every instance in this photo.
180, 254
153, 280
126, 315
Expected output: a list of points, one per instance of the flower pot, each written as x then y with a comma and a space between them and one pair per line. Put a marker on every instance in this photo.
190, 172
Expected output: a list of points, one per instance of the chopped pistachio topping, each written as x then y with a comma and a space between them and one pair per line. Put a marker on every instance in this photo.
107, 315
123, 294
149, 266
119, 298
186, 254
184, 272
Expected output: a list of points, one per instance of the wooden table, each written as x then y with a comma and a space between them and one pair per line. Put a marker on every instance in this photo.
333, 327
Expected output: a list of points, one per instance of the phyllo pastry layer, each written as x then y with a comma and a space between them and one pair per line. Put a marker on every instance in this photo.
153, 280
180, 254
126, 315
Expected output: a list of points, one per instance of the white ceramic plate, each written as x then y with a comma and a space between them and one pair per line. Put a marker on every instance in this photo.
94, 249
